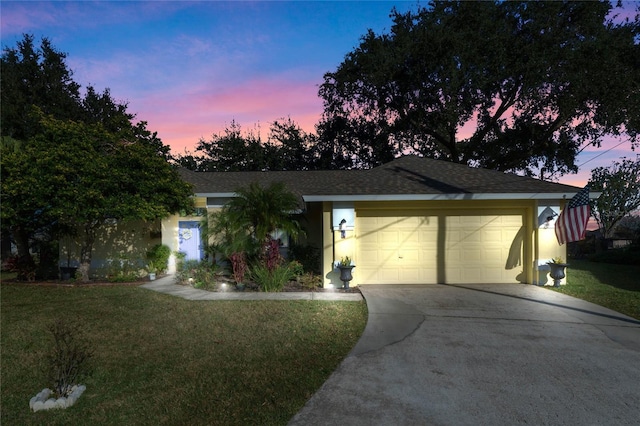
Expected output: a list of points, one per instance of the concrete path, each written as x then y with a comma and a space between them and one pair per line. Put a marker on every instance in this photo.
167, 285
484, 355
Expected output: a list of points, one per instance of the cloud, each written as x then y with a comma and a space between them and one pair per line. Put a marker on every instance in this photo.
37, 16
182, 118
18, 17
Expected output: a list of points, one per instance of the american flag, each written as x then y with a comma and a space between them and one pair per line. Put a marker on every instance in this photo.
572, 222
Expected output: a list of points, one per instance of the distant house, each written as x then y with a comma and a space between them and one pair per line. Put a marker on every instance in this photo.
411, 221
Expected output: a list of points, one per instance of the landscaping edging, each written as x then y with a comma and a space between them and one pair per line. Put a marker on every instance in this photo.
42, 401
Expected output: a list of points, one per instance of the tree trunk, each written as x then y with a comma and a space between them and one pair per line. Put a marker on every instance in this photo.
86, 250
26, 266
5, 244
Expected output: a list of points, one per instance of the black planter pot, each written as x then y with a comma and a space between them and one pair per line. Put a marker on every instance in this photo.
557, 272
345, 275
67, 272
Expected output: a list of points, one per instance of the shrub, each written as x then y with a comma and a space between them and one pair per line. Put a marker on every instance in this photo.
308, 255
271, 280
122, 270
200, 274
624, 256
296, 269
24, 267
67, 358
180, 257
158, 257
310, 281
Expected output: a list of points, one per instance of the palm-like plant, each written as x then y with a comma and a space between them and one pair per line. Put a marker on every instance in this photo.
247, 221
266, 209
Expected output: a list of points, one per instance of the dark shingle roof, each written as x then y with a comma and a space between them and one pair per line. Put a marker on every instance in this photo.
408, 175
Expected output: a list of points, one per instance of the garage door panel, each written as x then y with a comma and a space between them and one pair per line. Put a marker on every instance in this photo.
409, 257
407, 252
481, 255
471, 256
388, 237
371, 255
404, 249
493, 235
389, 275
410, 275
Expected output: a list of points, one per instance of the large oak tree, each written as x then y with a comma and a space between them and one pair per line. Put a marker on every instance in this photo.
513, 86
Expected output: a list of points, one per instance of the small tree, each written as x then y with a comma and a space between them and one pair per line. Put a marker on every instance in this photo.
67, 357
248, 220
245, 223
620, 187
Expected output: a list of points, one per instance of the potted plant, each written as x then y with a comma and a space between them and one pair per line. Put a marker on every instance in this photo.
152, 269
557, 266
346, 265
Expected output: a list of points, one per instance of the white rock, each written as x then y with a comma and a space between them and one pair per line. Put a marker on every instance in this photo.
61, 402
42, 401
44, 394
78, 391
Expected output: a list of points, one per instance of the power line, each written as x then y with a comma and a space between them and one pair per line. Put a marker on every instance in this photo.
602, 153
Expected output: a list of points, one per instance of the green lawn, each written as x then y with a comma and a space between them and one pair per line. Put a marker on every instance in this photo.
163, 360
616, 287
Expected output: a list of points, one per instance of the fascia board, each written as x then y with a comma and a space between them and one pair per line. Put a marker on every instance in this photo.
232, 195
216, 194
445, 197
422, 197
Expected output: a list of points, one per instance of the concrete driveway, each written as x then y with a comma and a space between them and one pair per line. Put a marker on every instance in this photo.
484, 355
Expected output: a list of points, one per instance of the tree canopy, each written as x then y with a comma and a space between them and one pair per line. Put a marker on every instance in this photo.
71, 162
513, 86
77, 177
39, 76
287, 147
620, 187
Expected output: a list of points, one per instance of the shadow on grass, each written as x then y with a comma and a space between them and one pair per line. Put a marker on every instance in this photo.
624, 277
545, 302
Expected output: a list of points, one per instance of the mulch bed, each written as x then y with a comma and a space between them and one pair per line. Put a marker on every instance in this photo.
226, 284
292, 286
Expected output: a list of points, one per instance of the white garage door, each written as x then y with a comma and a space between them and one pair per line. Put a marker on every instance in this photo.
428, 248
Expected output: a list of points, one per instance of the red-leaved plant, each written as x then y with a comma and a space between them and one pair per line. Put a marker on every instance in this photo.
239, 266
272, 254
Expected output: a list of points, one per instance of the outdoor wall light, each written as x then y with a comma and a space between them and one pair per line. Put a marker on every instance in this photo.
549, 219
343, 228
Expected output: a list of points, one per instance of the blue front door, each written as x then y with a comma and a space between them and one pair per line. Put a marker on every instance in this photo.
189, 240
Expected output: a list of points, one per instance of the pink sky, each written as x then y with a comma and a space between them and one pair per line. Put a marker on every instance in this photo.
191, 68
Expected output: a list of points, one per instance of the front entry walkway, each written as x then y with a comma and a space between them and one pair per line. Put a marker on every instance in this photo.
167, 285
484, 355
